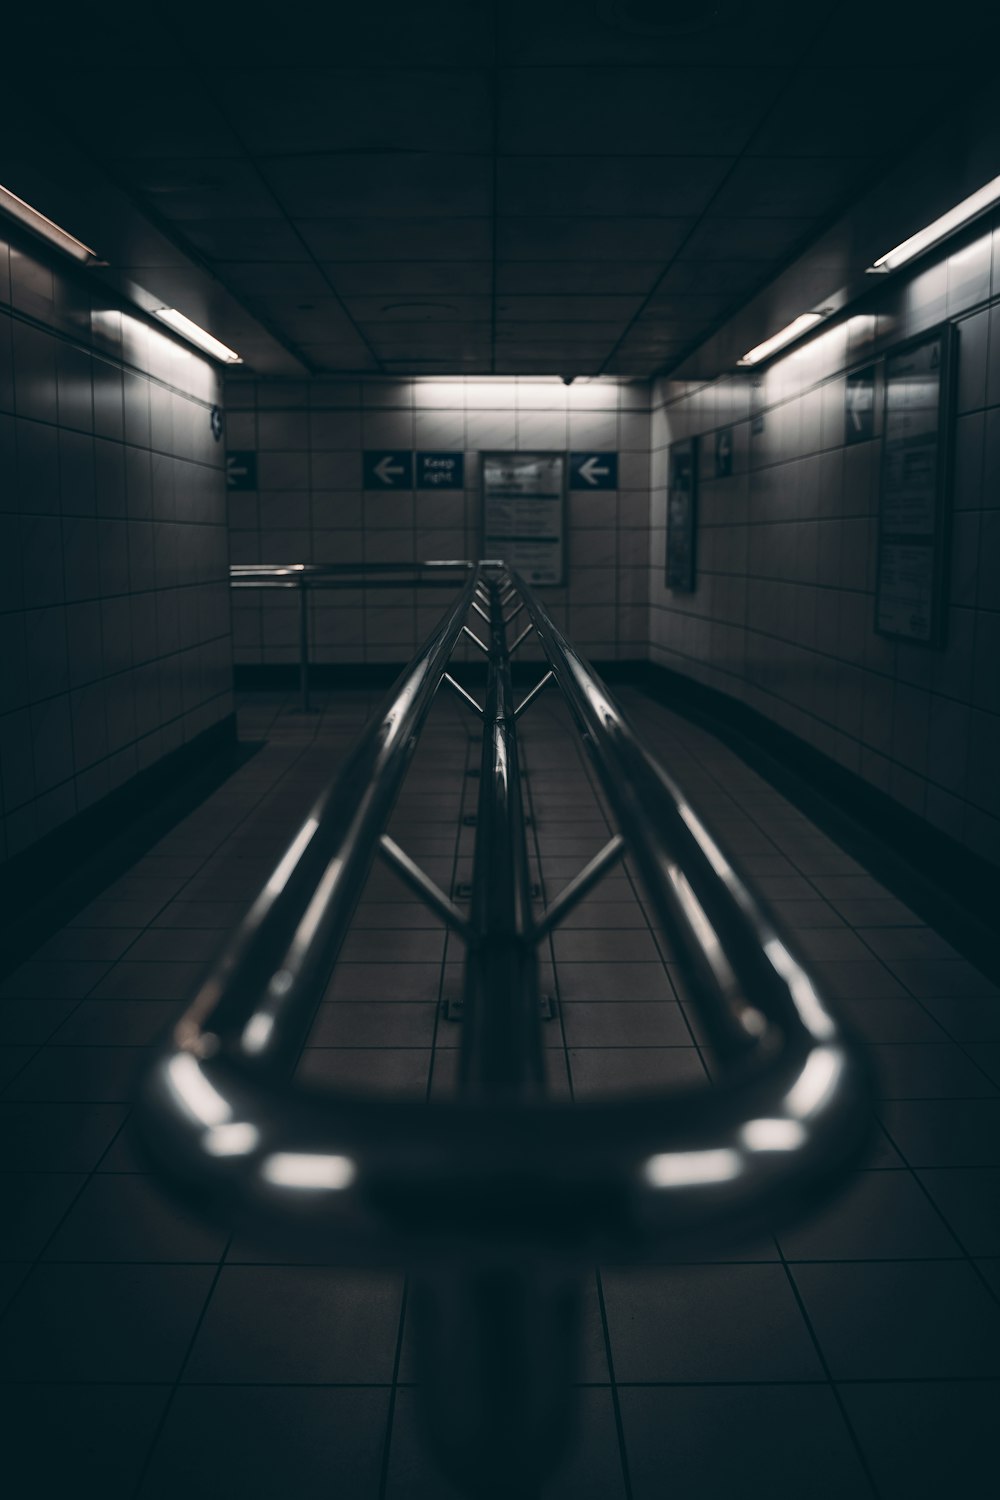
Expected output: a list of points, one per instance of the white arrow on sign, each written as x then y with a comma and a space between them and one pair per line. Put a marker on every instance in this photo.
592, 471
385, 469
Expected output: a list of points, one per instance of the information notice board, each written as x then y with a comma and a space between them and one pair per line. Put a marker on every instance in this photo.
917, 416
524, 502
682, 516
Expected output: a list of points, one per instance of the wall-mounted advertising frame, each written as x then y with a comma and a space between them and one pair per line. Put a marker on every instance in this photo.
524, 513
682, 515
914, 483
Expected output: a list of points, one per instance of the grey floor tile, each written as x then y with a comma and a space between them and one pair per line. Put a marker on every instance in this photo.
945, 1132
755, 1442
33, 1204
46, 1137
923, 1440
102, 1323
969, 1199
902, 1320
385, 981
81, 1074
269, 1441
361, 1024
77, 1439
615, 1024
707, 1323
614, 1072
395, 1072
118, 1023
31, 1022
879, 1216
929, 1071
614, 981
129, 1218
281, 1324
150, 981
53, 979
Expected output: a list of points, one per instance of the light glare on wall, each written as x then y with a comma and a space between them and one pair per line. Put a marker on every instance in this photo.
962, 213
23, 212
196, 335
785, 336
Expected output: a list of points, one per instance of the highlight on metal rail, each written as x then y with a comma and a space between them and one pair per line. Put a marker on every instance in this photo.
497, 1202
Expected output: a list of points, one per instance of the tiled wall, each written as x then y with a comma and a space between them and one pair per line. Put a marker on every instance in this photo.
310, 505
114, 614
782, 617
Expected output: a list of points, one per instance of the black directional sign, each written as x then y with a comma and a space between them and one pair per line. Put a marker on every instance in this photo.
593, 471
241, 470
440, 471
388, 471
724, 453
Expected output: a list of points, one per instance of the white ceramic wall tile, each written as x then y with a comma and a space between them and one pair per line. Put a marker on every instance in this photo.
324, 516
797, 535
101, 676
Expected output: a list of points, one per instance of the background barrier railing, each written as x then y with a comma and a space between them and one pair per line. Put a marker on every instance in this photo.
305, 578
497, 1199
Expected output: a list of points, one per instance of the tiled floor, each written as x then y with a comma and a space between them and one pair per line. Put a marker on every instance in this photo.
145, 1355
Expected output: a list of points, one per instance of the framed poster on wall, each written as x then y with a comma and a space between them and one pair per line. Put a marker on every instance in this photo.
682, 516
524, 510
917, 423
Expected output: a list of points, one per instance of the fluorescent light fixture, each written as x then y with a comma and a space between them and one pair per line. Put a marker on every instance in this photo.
23, 212
195, 335
778, 341
962, 213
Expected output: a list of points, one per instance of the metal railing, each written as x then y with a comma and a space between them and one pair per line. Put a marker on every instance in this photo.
305, 578
495, 1200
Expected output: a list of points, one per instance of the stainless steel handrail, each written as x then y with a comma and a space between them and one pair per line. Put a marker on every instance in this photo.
303, 578
495, 1200
788, 1113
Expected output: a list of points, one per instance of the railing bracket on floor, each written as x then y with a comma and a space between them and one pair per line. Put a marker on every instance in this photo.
453, 1008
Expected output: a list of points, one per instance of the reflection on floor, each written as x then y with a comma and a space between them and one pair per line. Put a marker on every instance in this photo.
141, 1354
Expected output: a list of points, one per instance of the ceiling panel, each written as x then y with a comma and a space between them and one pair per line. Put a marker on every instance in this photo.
380, 185
200, 188
639, 32
570, 307
245, 239
605, 110
613, 239
778, 186
593, 277
543, 180
836, 111
408, 309
292, 110
398, 240
375, 278
663, 186
766, 241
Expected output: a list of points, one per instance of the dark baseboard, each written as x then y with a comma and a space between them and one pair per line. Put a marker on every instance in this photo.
42, 888
951, 888
284, 677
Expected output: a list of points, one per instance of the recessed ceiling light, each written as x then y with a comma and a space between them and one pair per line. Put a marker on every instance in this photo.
54, 233
969, 208
196, 335
785, 336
